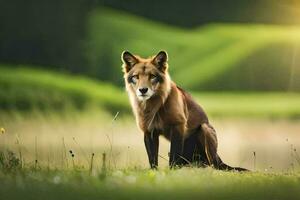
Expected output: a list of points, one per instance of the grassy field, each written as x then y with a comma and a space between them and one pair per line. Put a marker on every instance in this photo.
49, 137
43, 168
25, 89
93, 177
145, 184
212, 57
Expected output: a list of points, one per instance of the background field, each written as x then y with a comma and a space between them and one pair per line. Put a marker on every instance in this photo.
63, 104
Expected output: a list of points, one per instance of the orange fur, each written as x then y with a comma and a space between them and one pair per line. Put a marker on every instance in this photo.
168, 111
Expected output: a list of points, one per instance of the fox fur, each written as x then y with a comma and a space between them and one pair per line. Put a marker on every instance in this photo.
162, 108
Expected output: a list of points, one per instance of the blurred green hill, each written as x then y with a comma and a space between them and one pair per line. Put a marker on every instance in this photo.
25, 90
227, 57
212, 57
193, 13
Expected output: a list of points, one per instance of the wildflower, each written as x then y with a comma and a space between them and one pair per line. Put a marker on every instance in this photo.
151, 174
2, 130
56, 179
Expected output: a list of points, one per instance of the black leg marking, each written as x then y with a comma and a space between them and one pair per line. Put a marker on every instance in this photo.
151, 140
176, 150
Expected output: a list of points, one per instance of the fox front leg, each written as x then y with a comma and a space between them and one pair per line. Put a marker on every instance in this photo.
151, 140
176, 150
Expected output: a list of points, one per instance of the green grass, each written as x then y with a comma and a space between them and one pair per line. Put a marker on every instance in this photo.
256, 105
147, 184
25, 89
212, 57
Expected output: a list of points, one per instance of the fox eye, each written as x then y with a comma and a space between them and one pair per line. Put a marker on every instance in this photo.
152, 76
156, 78
133, 79
136, 77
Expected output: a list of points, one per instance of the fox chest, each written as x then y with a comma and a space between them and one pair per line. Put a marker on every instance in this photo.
150, 123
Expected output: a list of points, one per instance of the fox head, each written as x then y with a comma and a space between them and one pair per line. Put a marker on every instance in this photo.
146, 78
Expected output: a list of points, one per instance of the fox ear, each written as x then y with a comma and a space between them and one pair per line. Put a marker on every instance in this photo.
160, 60
128, 60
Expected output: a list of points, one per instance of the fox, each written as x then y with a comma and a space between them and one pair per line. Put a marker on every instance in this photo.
161, 108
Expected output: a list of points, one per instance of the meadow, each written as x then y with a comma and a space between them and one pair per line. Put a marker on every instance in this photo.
61, 156
147, 184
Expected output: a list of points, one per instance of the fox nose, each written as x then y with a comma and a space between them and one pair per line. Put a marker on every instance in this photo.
143, 90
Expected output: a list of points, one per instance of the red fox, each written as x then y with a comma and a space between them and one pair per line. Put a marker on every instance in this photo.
163, 108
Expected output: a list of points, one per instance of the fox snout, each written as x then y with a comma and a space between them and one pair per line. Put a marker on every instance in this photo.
144, 93
143, 90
